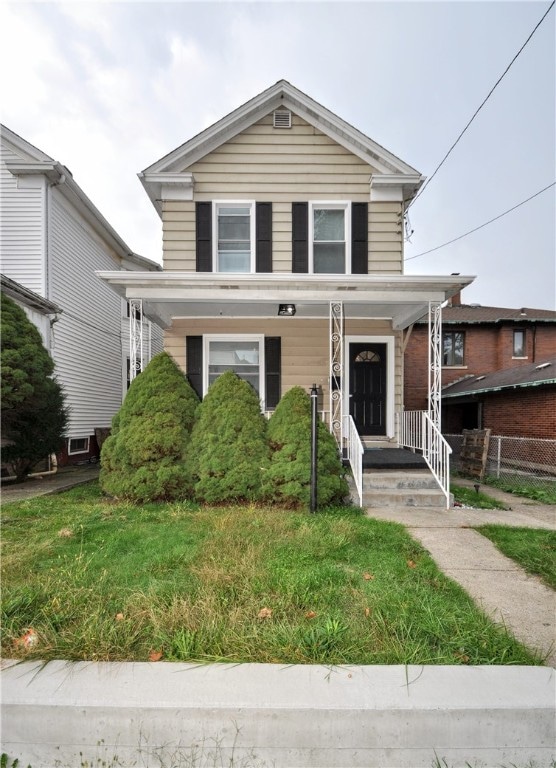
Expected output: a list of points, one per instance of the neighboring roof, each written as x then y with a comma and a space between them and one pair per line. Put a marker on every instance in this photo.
59, 175
284, 95
31, 299
517, 377
475, 313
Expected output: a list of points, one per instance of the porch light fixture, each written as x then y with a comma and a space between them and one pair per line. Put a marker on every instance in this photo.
286, 310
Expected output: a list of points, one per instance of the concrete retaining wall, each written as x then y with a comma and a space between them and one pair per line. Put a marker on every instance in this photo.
176, 715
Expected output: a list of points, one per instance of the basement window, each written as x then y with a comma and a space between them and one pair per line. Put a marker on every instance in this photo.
78, 445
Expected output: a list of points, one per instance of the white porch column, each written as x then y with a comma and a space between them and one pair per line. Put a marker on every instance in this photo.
135, 337
336, 369
435, 362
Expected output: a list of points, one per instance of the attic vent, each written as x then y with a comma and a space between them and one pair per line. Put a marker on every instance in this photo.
541, 366
282, 118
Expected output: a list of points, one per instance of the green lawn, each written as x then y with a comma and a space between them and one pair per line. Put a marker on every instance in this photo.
532, 548
470, 498
543, 491
101, 580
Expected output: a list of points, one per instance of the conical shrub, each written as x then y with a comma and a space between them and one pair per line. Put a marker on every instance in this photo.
228, 445
288, 479
146, 456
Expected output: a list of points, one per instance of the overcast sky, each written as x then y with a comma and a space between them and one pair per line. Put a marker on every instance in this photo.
108, 88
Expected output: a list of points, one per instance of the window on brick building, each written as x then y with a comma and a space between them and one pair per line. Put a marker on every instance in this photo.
519, 343
453, 343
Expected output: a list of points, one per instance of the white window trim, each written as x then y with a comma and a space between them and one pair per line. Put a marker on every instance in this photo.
82, 450
390, 342
336, 205
236, 337
216, 204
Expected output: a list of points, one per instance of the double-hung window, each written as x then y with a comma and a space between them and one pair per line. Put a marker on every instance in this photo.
453, 344
242, 354
329, 238
234, 237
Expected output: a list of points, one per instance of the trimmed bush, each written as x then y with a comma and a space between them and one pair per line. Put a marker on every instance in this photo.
34, 415
228, 445
146, 456
288, 479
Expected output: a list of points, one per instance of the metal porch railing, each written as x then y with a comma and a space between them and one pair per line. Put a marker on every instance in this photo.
417, 431
355, 452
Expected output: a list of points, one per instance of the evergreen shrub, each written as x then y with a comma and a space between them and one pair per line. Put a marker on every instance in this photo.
34, 415
288, 479
228, 445
146, 456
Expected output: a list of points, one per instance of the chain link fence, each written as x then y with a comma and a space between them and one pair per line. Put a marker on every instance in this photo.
515, 460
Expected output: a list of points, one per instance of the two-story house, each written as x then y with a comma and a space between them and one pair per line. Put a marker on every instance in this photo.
52, 239
497, 369
283, 261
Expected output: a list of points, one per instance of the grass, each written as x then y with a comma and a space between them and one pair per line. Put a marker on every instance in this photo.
534, 549
101, 580
541, 490
470, 498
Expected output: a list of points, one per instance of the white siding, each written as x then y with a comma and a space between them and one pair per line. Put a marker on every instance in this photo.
22, 219
87, 345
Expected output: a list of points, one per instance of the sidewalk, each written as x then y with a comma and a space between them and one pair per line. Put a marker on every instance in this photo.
519, 601
66, 477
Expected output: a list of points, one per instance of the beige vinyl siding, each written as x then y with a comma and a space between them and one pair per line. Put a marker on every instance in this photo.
305, 345
282, 166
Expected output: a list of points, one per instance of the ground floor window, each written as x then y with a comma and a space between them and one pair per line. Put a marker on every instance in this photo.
78, 445
242, 354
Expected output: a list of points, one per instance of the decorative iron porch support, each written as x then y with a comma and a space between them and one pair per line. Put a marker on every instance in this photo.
435, 362
135, 337
336, 368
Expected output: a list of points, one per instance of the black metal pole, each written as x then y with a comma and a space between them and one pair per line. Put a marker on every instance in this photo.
314, 447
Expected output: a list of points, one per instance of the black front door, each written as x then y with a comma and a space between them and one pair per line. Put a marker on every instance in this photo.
367, 387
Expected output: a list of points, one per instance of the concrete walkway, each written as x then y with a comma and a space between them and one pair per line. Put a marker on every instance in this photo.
522, 603
66, 477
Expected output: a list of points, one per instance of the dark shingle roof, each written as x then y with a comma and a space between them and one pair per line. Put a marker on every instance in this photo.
469, 313
518, 376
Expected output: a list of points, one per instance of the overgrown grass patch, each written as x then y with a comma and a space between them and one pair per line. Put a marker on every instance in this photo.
534, 549
100, 580
469, 497
537, 489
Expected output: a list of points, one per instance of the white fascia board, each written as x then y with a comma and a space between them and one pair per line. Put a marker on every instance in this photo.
282, 94
167, 186
227, 287
24, 146
394, 187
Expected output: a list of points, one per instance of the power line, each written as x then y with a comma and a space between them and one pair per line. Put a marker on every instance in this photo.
449, 152
449, 242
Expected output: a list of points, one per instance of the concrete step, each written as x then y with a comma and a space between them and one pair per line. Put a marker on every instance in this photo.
403, 498
414, 479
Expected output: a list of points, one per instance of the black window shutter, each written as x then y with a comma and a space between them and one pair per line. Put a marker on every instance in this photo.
203, 230
263, 224
359, 238
300, 237
194, 361
272, 358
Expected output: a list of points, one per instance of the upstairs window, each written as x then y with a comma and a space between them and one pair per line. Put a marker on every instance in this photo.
453, 343
329, 236
234, 237
519, 343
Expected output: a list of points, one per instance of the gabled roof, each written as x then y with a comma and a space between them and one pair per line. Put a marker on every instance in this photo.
35, 162
516, 377
282, 94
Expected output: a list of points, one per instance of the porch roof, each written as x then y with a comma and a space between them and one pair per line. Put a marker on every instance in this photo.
399, 298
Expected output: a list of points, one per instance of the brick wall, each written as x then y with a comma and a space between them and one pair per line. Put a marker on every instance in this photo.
521, 413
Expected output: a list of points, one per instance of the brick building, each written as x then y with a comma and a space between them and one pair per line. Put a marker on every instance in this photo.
506, 347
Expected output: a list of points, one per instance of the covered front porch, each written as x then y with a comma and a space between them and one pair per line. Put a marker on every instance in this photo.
346, 334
